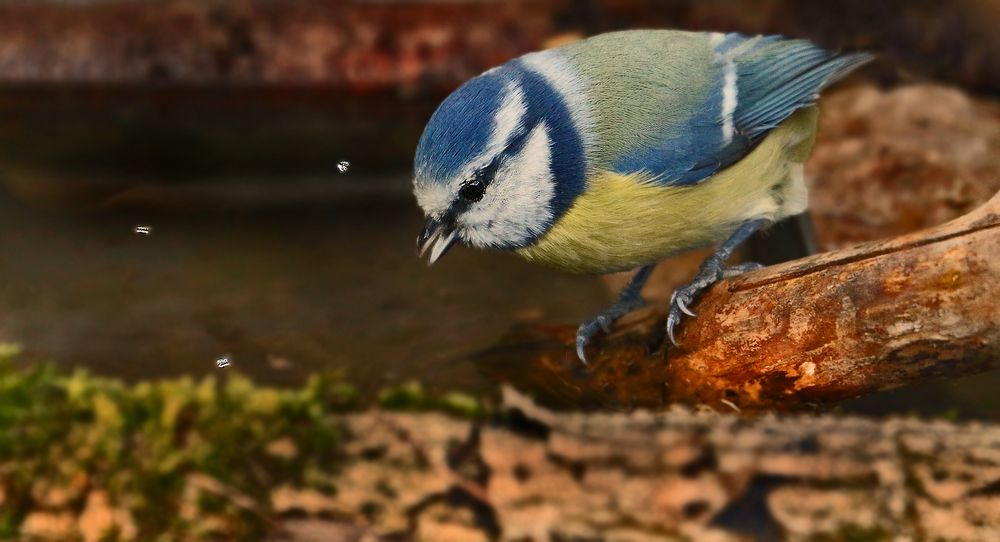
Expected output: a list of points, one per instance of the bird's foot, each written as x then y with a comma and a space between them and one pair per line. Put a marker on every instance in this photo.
711, 271
603, 322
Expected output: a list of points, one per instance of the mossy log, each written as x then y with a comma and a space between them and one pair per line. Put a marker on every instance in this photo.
814, 331
535, 475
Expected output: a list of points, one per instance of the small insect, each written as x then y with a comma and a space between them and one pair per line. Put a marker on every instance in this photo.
343, 166
222, 363
143, 229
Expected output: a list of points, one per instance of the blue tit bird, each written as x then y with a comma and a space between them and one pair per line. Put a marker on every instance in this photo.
614, 152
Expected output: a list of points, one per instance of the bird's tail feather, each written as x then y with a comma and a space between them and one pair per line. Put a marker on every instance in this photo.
777, 77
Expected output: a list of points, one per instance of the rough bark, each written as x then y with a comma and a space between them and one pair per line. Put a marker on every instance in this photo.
818, 330
678, 475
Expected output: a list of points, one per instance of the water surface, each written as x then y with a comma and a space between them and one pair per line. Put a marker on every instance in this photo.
281, 291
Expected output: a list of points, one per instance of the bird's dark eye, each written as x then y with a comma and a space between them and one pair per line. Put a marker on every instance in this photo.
472, 190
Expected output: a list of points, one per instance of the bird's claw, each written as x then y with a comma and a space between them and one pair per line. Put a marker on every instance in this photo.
679, 302
684, 296
602, 322
581, 345
605, 322
671, 322
586, 332
710, 273
684, 308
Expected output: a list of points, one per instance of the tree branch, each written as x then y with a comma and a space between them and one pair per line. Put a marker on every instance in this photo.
817, 330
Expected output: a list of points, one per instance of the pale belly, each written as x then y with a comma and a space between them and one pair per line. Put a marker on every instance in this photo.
624, 221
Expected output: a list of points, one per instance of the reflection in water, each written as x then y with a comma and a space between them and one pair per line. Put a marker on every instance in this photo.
283, 292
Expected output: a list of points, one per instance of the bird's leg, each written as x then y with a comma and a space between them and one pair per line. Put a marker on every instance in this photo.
712, 270
629, 298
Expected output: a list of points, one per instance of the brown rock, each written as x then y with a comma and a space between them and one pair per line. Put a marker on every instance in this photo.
445, 524
283, 448
313, 530
52, 495
48, 525
285, 499
99, 519
573, 477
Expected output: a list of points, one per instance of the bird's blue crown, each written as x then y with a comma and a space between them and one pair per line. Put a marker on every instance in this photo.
462, 126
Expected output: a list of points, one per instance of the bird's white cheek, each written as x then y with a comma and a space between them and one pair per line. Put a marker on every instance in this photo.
517, 204
433, 198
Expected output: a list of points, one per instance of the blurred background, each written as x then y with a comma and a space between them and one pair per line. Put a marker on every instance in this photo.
266, 147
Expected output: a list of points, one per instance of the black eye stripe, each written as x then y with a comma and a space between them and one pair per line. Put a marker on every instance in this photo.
472, 191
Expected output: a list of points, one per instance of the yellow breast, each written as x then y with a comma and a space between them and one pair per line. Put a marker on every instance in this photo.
624, 221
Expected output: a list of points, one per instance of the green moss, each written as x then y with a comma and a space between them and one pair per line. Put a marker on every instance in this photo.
144, 443
141, 442
406, 396
410, 396
461, 404
951, 415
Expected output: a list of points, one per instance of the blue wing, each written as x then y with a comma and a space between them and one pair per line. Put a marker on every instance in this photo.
764, 80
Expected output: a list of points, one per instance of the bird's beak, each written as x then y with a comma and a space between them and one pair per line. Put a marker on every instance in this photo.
437, 236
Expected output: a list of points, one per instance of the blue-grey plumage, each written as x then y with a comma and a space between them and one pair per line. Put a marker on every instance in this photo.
613, 152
